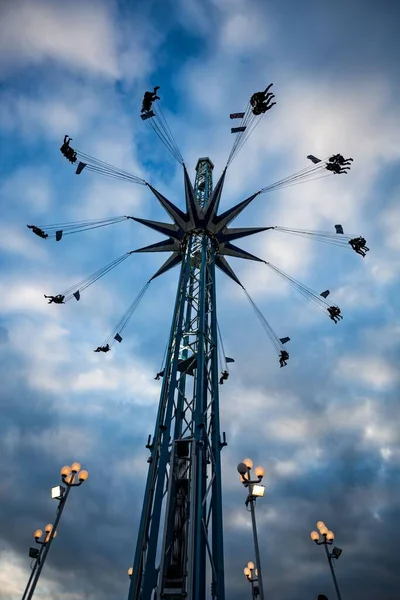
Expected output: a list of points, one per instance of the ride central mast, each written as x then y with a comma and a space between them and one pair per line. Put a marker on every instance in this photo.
180, 540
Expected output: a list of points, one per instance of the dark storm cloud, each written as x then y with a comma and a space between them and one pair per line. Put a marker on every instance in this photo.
94, 546
352, 490
350, 485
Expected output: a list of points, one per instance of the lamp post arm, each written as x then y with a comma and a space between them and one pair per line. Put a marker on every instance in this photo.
247, 482
60, 509
329, 557
324, 543
256, 548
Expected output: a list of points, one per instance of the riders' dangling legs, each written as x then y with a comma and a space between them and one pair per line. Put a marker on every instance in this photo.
267, 88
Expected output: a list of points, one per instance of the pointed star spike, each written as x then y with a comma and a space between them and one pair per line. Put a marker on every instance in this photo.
231, 250
224, 266
169, 229
239, 232
169, 245
174, 212
192, 207
170, 263
213, 204
223, 220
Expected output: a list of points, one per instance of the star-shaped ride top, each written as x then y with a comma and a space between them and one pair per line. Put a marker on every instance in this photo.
204, 220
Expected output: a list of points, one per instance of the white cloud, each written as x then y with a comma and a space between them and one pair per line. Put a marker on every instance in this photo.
12, 574
295, 429
63, 441
95, 379
390, 220
19, 297
237, 520
380, 435
191, 11
74, 368
368, 416
49, 114
358, 295
138, 379
131, 468
384, 269
383, 339
78, 35
16, 241
286, 468
242, 32
27, 188
368, 370
99, 199
368, 134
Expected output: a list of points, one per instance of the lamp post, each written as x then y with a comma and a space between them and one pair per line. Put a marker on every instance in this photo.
71, 476
251, 575
130, 572
255, 491
36, 553
325, 537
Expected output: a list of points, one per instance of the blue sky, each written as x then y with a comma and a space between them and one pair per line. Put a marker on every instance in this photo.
325, 427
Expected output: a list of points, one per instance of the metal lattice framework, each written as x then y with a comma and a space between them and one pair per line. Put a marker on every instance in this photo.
184, 473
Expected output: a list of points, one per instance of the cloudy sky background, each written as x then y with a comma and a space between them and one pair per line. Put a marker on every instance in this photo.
325, 427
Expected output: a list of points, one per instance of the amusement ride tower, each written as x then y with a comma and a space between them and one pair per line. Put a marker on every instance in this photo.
179, 549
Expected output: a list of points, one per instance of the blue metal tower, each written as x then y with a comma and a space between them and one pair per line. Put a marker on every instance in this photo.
179, 549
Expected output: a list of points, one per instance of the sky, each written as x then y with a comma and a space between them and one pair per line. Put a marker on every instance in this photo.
325, 427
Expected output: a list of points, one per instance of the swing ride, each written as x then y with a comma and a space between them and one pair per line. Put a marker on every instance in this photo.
179, 548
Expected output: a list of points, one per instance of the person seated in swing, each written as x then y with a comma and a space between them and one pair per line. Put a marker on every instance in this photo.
65, 147
59, 299
71, 155
261, 101
148, 99
334, 313
336, 168
159, 375
358, 245
338, 313
344, 161
338, 164
283, 358
105, 348
67, 151
224, 377
333, 166
340, 159
38, 231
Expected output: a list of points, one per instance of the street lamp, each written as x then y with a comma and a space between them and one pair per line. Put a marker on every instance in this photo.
130, 572
251, 575
325, 537
36, 553
255, 491
71, 476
